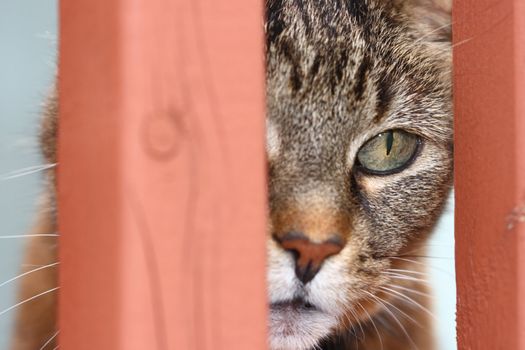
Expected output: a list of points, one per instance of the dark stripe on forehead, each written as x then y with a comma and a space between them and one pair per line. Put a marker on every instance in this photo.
383, 97
357, 9
340, 65
314, 69
274, 23
361, 77
288, 50
304, 14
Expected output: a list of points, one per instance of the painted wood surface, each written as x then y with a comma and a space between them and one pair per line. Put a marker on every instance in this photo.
162, 175
489, 96
518, 214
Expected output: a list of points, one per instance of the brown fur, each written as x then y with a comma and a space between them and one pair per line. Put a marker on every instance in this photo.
338, 73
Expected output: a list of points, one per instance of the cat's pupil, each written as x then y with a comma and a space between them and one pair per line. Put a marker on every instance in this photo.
389, 141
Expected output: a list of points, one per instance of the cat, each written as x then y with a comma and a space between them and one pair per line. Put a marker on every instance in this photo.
360, 157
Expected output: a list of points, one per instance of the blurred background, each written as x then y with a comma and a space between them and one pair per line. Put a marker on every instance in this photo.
28, 39
28, 32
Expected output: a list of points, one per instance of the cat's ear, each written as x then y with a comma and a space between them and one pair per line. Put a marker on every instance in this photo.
432, 17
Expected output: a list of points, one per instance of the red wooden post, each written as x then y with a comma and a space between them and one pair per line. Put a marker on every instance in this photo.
519, 29
489, 96
161, 175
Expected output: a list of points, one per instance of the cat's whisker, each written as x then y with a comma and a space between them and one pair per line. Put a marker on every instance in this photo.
385, 322
405, 277
411, 290
432, 32
359, 324
459, 43
462, 42
400, 271
27, 171
32, 265
422, 245
403, 329
373, 324
410, 255
28, 273
422, 249
417, 256
49, 340
30, 235
318, 347
28, 300
425, 265
407, 316
408, 260
408, 299
353, 330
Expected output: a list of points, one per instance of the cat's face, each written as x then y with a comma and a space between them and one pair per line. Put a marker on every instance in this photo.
340, 73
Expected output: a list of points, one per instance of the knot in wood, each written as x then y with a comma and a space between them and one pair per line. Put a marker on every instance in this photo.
162, 135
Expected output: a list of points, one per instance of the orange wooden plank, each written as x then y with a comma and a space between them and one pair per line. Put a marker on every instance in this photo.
519, 210
162, 175
490, 172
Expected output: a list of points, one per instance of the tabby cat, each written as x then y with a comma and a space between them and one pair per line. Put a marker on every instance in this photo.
359, 146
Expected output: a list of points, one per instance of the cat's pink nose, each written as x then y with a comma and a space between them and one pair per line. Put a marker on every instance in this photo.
309, 256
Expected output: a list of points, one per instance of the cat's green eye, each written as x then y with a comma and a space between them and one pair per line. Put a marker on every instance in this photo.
388, 152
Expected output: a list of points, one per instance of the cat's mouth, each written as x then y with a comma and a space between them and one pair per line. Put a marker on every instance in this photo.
297, 324
296, 304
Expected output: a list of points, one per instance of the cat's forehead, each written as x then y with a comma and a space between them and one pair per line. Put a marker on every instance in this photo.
337, 69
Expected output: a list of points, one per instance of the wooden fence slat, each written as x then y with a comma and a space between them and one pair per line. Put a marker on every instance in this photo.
489, 100
519, 40
162, 175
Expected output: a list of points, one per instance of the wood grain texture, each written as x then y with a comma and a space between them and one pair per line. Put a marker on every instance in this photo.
489, 99
161, 178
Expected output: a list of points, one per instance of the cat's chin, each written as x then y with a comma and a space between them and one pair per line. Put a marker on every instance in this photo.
298, 326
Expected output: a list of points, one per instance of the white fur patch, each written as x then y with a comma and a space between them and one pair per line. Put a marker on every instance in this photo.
273, 142
291, 329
